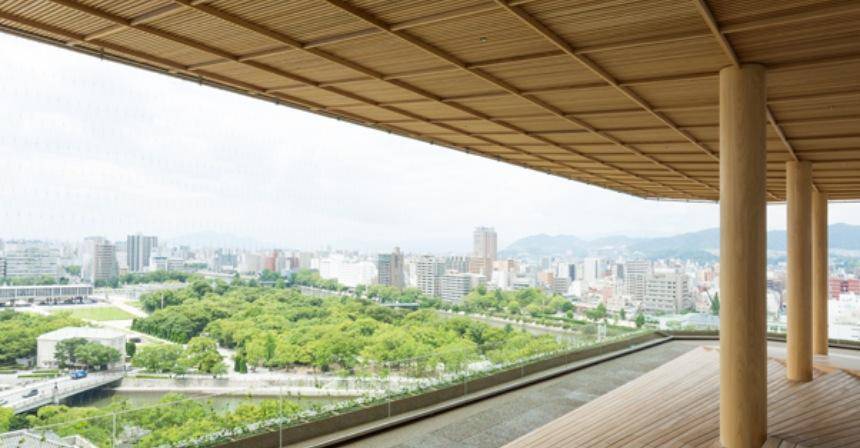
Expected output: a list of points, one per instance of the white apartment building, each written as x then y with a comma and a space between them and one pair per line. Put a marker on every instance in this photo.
348, 272
454, 286
666, 293
427, 272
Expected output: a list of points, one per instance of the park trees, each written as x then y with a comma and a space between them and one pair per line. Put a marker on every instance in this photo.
18, 332
93, 355
597, 313
65, 352
160, 358
202, 354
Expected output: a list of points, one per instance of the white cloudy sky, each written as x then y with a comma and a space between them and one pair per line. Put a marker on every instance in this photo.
90, 147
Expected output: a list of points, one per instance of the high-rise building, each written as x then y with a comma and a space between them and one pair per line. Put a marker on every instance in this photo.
390, 269
592, 270
427, 272
636, 273
98, 260
2, 267
484, 250
139, 249
32, 259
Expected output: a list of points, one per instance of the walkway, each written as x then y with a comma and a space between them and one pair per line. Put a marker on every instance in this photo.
495, 421
678, 405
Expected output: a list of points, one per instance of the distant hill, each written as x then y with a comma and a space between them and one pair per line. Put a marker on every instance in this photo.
703, 244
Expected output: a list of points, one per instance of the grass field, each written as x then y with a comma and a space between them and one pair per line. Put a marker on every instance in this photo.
101, 313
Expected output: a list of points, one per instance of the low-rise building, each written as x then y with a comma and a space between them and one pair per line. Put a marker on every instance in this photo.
46, 344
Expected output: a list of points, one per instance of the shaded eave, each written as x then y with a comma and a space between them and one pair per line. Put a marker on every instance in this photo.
631, 107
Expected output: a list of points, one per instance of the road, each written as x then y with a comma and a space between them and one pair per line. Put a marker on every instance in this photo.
52, 390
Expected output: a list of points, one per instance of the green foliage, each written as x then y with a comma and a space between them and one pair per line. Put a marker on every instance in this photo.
73, 269
202, 354
6, 419
529, 301
715, 304
136, 278
24, 281
95, 355
280, 328
78, 352
130, 349
159, 358
307, 277
640, 320
65, 351
597, 313
18, 332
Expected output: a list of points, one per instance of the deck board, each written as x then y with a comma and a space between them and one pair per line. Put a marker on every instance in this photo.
676, 405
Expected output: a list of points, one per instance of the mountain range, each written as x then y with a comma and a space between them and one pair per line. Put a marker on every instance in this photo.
703, 244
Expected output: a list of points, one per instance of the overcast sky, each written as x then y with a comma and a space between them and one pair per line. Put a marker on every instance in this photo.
91, 147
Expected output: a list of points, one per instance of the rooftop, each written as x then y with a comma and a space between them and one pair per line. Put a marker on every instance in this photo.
81, 332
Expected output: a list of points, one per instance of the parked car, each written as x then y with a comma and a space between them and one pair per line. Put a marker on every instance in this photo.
3, 401
78, 374
31, 393
136, 340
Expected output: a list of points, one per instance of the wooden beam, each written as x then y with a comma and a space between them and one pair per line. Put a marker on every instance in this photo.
223, 54
712, 24
453, 61
283, 39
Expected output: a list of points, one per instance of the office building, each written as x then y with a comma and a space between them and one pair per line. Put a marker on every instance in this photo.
32, 259
484, 251
98, 260
636, 273
390, 269
139, 249
667, 293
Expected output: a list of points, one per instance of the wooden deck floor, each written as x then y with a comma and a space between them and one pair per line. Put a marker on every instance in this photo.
676, 405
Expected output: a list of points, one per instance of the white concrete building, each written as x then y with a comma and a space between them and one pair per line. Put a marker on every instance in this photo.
46, 344
454, 286
666, 293
32, 259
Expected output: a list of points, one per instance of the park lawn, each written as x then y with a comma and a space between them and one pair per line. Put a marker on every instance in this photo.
100, 313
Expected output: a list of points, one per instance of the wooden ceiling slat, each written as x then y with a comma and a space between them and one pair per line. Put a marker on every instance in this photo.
480, 82
482, 75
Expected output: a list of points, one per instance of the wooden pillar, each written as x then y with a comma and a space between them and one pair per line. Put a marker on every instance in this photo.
820, 274
799, 274
743, 283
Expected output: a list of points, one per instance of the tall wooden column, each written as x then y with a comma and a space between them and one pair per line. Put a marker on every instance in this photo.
820, 274
743, 283
799, 275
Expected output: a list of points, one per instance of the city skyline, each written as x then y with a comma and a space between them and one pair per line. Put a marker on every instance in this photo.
220, 163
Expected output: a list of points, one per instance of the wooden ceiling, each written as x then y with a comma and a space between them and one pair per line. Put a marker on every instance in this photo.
616, 93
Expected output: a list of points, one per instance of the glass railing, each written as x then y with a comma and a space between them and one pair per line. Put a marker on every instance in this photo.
374, 392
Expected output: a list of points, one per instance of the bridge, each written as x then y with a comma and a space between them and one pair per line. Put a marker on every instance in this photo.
55, 390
